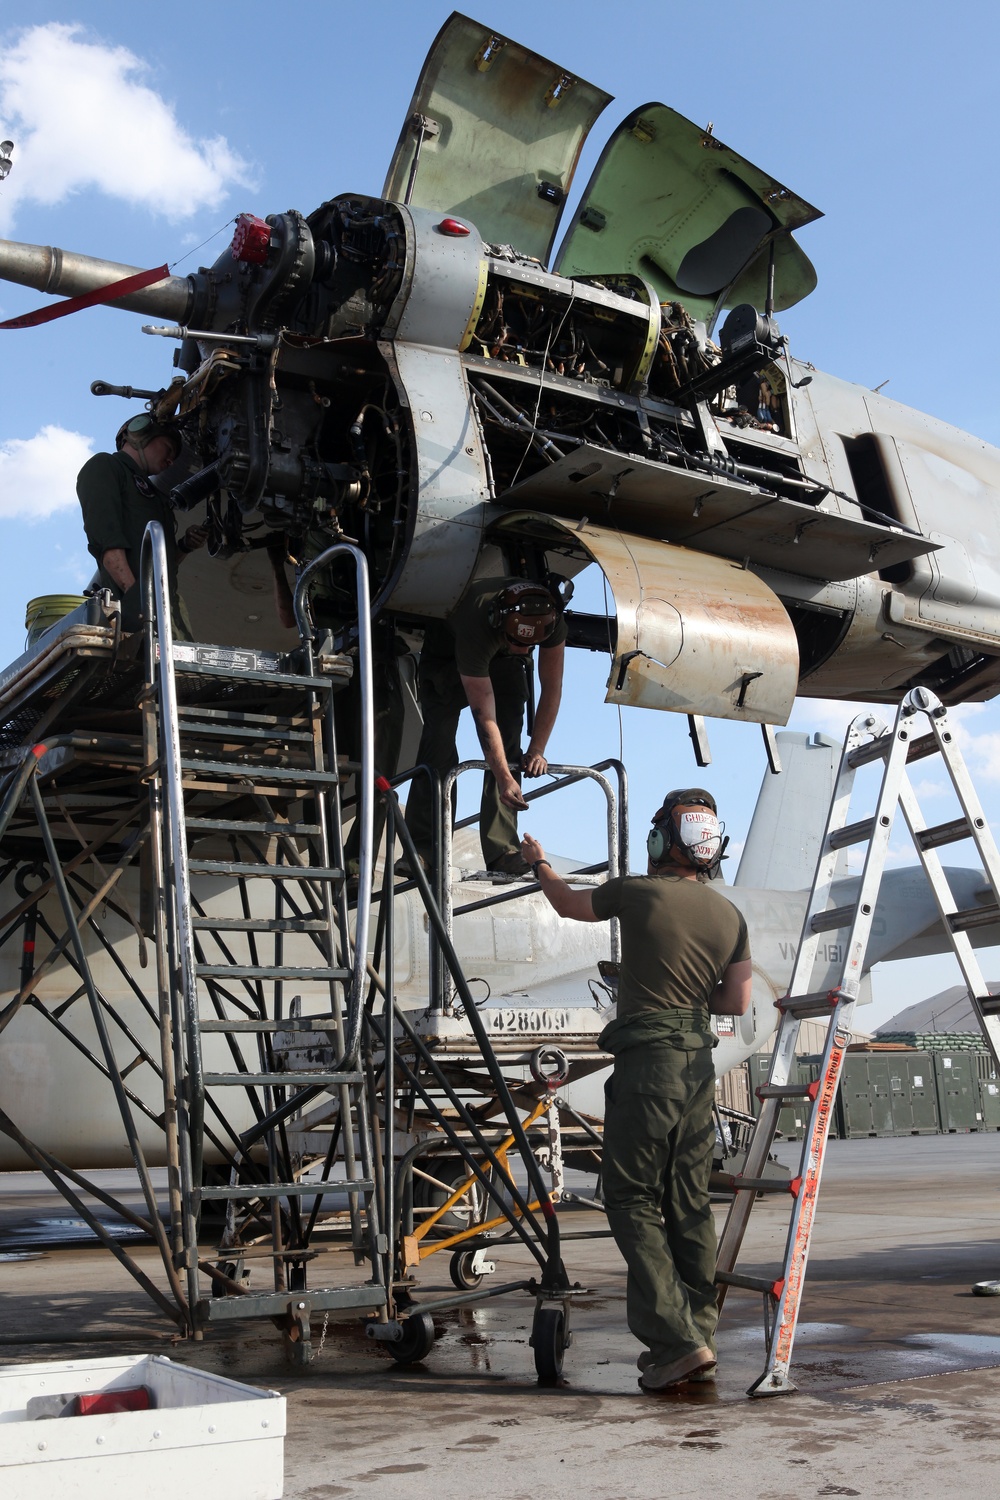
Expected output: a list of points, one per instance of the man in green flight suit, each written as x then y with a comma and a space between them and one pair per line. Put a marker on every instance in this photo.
118, 502
477, 657
685, 957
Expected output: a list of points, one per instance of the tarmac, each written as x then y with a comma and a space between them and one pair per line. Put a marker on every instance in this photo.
897, 1364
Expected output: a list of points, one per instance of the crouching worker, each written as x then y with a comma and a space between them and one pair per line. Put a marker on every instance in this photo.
685, 957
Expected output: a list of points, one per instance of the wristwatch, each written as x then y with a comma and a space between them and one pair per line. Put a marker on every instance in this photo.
537, 866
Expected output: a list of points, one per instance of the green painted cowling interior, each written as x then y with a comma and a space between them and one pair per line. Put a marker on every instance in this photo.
506, 130
670, 203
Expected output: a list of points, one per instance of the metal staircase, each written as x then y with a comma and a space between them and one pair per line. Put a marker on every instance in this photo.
868, 740
248, 892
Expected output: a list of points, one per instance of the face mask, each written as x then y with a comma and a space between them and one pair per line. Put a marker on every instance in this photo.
699, 832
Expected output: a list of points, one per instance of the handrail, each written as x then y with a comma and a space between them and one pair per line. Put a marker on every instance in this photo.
366, 807
568, 776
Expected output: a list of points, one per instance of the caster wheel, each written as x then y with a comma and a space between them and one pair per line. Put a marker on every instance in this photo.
548, 1340
417, 1341
461, 1272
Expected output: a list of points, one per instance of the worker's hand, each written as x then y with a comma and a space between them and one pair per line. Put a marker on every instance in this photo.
510, 794
195, 537
531, 850
533, 762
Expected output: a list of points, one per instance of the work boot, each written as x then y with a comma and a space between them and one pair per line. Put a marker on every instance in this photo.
660, 1377
404, 869
511, 862
706, 1373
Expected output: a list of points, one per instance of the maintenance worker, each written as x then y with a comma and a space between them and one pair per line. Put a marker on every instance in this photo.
118, 502
685, 957
477, 658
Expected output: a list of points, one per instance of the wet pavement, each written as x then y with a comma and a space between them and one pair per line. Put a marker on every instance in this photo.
897, 1364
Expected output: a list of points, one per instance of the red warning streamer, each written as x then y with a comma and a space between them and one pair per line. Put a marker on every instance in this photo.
109, 293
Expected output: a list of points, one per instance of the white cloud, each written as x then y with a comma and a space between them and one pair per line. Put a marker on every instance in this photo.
81, 118
38, 474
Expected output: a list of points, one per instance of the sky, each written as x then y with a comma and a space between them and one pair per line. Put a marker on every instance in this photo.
141, 142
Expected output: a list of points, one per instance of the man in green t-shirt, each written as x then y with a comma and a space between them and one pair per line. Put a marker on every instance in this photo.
477, 657
118, 502
685, 958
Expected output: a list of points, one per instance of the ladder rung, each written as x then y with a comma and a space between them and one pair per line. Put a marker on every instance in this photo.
764, 1284
853, 833
944, 833
740, 1184
821, 1003
874, 750
920, 749
249, 1190
266, 971
974, 916
291, 1024
989, 1004
235, 825
238, 771
788, 1090
262, 871
277, 1080
837, 916
259, 924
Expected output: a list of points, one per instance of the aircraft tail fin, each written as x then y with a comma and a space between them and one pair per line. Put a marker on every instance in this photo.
782, 846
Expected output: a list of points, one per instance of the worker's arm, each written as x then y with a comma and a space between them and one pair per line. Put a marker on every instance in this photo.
732, 996
550, 676
193, 538
578, 905
115, 564
479, 691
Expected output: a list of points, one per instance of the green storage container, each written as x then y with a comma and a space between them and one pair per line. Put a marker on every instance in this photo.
918, 1070
794, 1117
856, 1098
957, 1077
989, 1091
880, 1092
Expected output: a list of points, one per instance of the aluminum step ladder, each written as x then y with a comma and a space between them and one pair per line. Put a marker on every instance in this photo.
868, 740
245, 801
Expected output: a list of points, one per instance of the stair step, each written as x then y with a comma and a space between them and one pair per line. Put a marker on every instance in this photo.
238, 771
237, 731
237, 825
974, 916
192, 667
764, 1284
277, 1080
291, 1023
366, 1298
259, 924
837, 916
267, 971
262, 871
249, 1190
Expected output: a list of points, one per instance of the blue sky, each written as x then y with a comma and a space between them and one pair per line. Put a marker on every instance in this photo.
139, 135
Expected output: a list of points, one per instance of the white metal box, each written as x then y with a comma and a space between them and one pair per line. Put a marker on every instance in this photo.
205, 1435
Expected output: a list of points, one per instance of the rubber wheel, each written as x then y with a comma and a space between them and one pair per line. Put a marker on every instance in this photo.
461, 1272
417, 1341
548, 1340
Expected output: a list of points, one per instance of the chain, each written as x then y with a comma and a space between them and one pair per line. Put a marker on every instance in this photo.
322, 1337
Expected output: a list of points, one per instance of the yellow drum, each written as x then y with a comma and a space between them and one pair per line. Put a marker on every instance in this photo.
46, 611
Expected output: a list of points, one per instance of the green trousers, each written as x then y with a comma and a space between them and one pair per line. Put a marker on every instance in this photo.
442, 698
658, 1147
